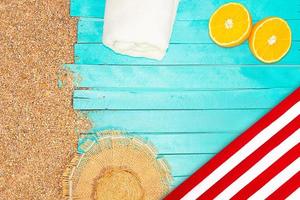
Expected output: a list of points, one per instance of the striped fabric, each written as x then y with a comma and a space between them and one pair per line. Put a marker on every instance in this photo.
262, 163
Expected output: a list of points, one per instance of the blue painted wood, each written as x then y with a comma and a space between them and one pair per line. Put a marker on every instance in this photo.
201, 9
177, 180
195, 31
187, 77
89, 30
189, 143
180, 54
181, 143
190, 162
123, 96
88, 8
153, 99
212, 142
174, 120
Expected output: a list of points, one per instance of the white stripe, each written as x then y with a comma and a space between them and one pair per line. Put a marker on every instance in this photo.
295, 195
242, 153
277, 181
260, 166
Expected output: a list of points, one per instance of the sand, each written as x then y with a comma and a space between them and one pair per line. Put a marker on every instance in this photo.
37, 121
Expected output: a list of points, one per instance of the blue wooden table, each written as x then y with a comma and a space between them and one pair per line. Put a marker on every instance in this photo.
195, 101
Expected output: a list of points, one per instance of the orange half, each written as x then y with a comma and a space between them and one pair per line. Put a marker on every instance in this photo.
270, 39
230, 25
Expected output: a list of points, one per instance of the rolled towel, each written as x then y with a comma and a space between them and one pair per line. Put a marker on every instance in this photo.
139, 28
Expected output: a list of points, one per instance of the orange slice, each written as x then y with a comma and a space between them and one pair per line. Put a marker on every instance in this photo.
270, 39
230, 25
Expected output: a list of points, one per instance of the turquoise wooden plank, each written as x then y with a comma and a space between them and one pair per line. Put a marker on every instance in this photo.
189, 143
181, 131
132, 99
190, 162
177, 180
201, 9
180, 54
181, 143
174, 120
90, 31
187, 77
88, 8
208, 144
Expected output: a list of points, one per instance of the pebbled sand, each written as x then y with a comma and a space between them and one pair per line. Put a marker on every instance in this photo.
37, 121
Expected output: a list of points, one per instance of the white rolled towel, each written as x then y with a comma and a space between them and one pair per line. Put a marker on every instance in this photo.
139, 28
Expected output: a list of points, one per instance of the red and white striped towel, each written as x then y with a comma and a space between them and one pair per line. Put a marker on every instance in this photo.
262, 163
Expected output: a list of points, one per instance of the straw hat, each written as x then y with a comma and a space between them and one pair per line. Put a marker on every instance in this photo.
114, 168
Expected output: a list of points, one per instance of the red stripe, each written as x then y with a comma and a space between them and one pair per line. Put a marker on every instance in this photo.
251, 160
287, 188
234, 146
268, 174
